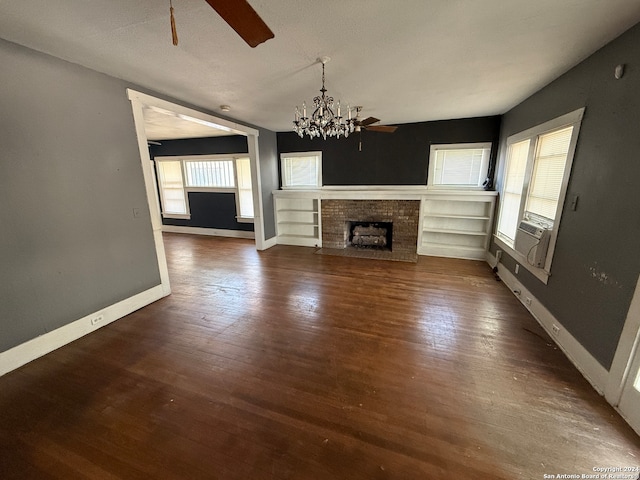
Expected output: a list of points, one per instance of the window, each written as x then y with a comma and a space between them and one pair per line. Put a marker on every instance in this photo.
548, 171
512, 190
462, 165
177, 176
301, 170
536, 173
172, 194
245, 194
209, 173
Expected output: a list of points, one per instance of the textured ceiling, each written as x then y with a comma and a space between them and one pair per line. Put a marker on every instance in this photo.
408, 61
164, 126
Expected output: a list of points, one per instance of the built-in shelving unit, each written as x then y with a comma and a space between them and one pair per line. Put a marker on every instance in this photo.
452, 223
298, 219
455, 224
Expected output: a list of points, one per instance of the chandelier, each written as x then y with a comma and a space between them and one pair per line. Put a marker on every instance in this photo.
325, 121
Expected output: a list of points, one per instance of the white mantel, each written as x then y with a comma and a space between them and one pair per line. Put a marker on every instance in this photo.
391, 192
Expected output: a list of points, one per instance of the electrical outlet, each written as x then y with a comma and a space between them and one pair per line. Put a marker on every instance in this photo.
498, 256
136, 213
517, 268
97, 319
527, 301
555, 329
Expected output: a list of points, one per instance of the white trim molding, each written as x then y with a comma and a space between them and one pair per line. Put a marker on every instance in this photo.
628, 347
270, 242
214, 232
189, 114
39, 346
139, 101
383, 192
590, 368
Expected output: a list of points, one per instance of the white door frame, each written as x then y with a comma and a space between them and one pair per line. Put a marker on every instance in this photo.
622, 373
138, 102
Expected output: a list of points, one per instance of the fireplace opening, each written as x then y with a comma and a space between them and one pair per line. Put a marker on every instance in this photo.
371, 235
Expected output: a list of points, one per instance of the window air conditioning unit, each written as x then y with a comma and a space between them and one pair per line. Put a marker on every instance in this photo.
532, 241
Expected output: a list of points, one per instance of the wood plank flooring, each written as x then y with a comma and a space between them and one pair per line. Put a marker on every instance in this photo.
284, 364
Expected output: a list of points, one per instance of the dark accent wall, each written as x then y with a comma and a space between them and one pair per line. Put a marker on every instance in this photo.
70, 178
208, 210
596, 262
226, 144
400, 158
211, 210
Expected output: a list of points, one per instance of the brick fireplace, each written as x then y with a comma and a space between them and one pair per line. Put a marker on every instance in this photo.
338, 214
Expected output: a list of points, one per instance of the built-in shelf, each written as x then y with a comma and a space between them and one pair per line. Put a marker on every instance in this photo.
298, 219
454, 232
294, 236
315, 224
469, 217
452, 223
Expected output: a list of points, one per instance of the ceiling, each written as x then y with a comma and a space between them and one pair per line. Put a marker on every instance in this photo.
163, 125
409, 61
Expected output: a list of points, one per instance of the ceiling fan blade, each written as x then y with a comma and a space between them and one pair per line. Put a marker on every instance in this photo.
243, 19
382, 128
369, 121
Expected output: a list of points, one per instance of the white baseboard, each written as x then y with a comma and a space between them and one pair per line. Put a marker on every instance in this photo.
590, 368
215, 232
39, 346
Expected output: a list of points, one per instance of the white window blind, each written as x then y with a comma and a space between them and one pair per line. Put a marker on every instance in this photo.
459, 167
301, 170
171, 188
512, 193
209, 173
245, 196
548, 173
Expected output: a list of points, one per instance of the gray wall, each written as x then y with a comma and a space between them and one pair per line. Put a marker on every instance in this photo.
596, 262
267, 146
70, 177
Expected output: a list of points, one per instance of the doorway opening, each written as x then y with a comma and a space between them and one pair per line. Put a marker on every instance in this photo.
141, 103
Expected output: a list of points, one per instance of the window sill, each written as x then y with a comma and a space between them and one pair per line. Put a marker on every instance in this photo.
210, 189
474, 188
539, 273
177, 215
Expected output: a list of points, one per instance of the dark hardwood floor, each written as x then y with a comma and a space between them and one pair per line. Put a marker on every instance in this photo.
284, 364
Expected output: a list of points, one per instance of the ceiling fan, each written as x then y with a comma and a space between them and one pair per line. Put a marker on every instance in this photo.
367, 124
241, 17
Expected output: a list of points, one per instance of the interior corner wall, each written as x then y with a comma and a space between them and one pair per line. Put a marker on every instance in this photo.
70, 179
399, 158
596, 262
